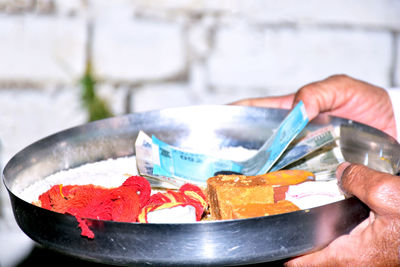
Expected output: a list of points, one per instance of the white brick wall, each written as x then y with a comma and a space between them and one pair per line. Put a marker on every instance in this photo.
366, 13
161, 96
41, 49
28, 115
288, 58
355, 13
136, 50
117, 97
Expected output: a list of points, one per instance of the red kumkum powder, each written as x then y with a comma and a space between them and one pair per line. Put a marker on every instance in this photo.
120, 204
129, 202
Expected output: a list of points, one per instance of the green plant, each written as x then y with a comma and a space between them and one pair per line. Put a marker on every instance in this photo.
97, 108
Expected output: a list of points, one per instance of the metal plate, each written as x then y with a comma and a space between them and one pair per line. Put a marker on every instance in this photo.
233, 242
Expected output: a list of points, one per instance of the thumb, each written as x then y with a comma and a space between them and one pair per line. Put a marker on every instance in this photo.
380, 191
312, 109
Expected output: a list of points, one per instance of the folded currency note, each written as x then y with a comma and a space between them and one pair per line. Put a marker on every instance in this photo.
309, 143
144, 163
170, 167
323, 159
170, 161
322, 162
275, 146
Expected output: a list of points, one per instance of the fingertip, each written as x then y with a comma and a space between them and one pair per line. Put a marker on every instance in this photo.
242, 102
340, 169
378, 190
311, 111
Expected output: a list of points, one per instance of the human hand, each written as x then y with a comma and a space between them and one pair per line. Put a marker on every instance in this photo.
341, 96
375, 241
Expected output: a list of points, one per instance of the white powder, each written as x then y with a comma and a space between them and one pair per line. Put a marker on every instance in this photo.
108, 173
235, 153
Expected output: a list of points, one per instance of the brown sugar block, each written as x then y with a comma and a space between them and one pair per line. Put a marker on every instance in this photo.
288, 177
256, 209
227, 191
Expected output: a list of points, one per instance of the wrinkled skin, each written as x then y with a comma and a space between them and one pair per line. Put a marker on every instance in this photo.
375, 241
341, 96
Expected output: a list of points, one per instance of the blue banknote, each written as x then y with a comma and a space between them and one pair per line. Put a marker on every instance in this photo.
174, 162
272, 150
170, 161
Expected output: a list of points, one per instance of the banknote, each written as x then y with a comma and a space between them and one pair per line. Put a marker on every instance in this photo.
322, 163
310, 142
275, 146
170, 161
144, 163
325, 175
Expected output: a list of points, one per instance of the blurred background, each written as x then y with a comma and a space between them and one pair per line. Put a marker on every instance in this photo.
64, 63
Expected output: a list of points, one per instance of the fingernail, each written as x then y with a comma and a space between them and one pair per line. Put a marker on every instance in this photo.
340, 169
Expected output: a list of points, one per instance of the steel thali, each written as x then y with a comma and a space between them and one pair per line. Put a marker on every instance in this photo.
233, 242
